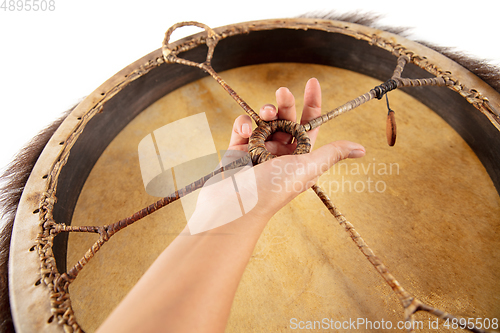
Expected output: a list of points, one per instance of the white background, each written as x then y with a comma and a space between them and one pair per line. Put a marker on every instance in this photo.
50, 60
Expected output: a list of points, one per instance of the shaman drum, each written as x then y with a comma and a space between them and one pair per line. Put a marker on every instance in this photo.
428, 207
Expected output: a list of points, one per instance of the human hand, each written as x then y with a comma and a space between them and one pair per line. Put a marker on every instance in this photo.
267, 187
280, 143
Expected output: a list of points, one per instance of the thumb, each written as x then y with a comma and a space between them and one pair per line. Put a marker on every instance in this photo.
326, 156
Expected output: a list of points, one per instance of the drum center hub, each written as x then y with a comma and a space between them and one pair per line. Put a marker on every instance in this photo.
256, 143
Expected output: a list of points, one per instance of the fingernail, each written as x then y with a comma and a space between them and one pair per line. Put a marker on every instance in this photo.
245, 129
269, 108
356, 153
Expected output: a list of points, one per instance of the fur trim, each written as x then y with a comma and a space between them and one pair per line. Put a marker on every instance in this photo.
357, 17
13, 181
480, 67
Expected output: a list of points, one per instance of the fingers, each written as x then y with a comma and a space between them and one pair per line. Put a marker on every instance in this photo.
286, 104
312, 101
281, 142
282, 179
242, 129
326, 156
312, 106
286, 110
268, 112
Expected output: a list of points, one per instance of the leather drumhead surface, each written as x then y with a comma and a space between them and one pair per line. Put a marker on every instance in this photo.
426, 206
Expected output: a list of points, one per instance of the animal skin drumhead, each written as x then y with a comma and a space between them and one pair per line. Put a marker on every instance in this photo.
426, 206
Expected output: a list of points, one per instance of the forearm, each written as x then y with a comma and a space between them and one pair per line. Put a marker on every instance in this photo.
191, 285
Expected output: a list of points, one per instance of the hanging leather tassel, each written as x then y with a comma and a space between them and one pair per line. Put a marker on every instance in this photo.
390, 129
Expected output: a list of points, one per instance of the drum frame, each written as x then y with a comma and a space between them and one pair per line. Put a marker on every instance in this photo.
471, 107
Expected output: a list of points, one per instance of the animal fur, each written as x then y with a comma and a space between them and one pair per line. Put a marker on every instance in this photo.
13, 181
480, 67
18, 171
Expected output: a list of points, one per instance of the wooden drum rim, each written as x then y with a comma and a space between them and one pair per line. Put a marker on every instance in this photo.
471, 107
